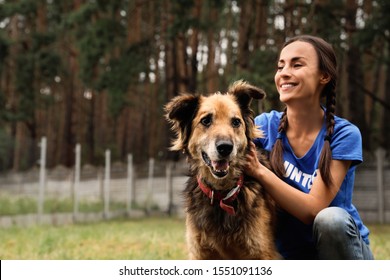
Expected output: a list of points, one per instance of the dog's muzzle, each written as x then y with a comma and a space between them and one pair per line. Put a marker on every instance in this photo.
219, 168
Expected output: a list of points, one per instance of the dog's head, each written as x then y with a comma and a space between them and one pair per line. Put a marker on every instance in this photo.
215, 130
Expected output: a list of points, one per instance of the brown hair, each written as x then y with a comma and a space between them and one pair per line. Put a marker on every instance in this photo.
327, 65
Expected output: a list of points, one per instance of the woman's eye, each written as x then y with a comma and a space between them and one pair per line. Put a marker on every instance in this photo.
297, 65
236, 122
206, 121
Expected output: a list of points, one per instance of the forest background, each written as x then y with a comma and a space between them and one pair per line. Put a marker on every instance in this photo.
98, 72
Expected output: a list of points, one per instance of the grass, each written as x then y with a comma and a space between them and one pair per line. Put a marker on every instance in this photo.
380, 241
143, 239
27, 205
155, 239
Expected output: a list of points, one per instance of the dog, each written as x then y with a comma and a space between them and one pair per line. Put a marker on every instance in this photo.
228, 215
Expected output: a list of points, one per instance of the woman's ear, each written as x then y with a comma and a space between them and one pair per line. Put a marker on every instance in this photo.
325, 78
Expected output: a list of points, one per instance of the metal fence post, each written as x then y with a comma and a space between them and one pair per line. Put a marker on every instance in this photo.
169, 187
76, 184
107, 185
129, 183
380, 157
149, 194
42, 179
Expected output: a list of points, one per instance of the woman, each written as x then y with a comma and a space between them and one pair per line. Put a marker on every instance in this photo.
313, 155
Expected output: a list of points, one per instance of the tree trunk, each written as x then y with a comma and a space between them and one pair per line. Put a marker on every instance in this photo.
354, 63
212, 39
261, 24
194, 43
386, 115
244, 33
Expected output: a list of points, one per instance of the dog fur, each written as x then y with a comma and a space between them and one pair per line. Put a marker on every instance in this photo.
214, 132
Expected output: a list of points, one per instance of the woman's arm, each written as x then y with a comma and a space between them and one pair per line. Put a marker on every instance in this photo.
304, 206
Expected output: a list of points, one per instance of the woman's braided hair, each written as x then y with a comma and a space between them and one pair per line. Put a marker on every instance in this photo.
328, 66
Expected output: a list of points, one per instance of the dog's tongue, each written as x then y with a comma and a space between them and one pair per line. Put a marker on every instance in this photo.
220, 165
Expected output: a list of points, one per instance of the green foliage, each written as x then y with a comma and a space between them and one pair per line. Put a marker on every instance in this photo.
185, 20
25, 86
46, 58
88, 44
376, 31
48, 64
122, 72
78, 19
4, 50
97, 41
36, 61
6, 148
23, 7
263, 68
261, 72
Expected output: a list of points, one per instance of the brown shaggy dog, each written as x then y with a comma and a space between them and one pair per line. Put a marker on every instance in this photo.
229, 215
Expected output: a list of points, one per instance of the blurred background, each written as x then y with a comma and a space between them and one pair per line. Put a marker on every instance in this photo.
97, 74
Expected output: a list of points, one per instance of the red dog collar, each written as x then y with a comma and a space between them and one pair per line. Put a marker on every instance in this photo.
219, 195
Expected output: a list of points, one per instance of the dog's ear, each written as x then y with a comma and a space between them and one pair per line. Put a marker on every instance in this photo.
245, 92
180, 112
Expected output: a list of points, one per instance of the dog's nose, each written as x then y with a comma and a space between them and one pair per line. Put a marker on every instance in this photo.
224, 148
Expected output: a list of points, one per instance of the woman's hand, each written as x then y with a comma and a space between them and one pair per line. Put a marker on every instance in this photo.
253, 166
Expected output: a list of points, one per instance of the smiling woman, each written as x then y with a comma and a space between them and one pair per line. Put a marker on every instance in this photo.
299, 76
313, 154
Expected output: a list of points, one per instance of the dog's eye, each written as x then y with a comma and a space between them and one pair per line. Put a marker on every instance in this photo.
236, 122
206, 121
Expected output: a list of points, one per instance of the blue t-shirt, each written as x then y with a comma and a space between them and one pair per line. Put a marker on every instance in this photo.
294, 238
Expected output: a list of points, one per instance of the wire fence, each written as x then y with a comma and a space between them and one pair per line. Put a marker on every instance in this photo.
88, 193
372, 189
85, 193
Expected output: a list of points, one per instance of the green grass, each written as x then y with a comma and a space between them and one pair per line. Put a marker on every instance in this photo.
13, 206
27, 205
380, 241
155, 239
141, 239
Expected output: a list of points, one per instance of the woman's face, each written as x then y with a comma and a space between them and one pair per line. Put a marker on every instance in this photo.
298, 77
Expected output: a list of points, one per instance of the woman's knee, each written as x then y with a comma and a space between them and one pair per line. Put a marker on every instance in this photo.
331, 220
337, 237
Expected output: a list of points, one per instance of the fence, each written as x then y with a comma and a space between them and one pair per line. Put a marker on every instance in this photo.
372, 189
88, 193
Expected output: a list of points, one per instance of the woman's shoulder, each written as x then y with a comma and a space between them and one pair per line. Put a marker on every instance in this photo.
268, 117
346, 141
268, 123
343, 126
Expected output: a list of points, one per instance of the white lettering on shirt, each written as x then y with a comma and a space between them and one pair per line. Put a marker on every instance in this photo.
294, 174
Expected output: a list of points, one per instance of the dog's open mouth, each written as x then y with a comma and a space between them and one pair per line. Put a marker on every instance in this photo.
219, 168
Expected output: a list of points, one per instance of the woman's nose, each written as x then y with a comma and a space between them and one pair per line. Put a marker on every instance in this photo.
284, 71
